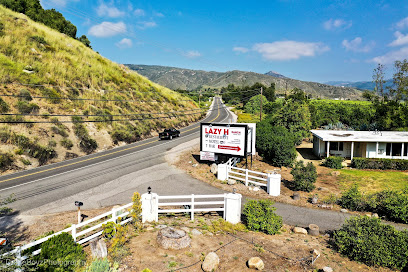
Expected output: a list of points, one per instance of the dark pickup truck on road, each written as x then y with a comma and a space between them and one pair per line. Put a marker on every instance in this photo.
169, 134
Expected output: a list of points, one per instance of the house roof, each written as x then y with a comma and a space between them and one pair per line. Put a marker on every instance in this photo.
361, 136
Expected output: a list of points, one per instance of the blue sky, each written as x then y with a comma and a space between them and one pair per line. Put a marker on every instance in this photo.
314, 40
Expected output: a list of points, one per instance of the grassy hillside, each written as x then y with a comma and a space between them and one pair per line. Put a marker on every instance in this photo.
177, 78
70, 100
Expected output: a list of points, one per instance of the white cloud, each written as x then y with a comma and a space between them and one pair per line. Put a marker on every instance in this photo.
401, 39
289, 50
392, 56
333, 24
146, 24
139, 12
107, 29
240, 49
110, 11
158, 14
124, 43
402, 24
356, 45
192, 54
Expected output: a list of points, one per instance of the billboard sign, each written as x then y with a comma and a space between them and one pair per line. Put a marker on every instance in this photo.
228, 139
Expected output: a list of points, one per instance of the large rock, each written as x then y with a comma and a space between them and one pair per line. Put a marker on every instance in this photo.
327, 269
98, 248
214, 168
299, 230
314, 230
256, 263
211, 262
173, 238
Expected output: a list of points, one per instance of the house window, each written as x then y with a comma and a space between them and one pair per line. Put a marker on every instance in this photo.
336, 146
405, 149
396, 149
388, 149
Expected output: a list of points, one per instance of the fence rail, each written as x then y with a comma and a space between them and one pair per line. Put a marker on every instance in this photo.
191, 205
114, 215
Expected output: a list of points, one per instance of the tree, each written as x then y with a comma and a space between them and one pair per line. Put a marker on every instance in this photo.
269, 93
275, 144
400, 80
304, 176
83, 39
378, 78
254, 104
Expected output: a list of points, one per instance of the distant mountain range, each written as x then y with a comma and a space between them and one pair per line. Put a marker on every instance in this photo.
186, 79
361, 85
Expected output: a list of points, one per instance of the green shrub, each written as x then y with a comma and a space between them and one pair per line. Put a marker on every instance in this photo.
4, 107
25, 95
52, 143
67, 143
275, 144
334, 162
259, 215
25, 108
393, 204
25, 161
101, 265
59, 130
304, 176
87, 144
366, 240
1, 29
6, 160
35, 150
384, 164
61, 253
353, 199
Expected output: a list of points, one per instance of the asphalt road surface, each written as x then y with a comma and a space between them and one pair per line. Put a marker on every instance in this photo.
109, 177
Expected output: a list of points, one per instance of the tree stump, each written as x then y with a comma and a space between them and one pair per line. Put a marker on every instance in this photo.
173, 238
314, 230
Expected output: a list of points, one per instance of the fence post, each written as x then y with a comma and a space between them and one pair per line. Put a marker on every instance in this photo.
150, 207
232, 207
273, 184
246, 177
114, 217
73, 226
222, 173
192, 207
18, 258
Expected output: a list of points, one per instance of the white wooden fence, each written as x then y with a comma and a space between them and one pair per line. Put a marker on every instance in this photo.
269, 180
229, 204
81, 233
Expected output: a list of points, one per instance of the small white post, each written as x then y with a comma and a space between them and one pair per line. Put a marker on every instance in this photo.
376, 149
18, 258
246, 177
79, 214
352, 150
150, 208
328, 149
273, 184
192, 207
232, 207
222, 172
73, 232
114, 217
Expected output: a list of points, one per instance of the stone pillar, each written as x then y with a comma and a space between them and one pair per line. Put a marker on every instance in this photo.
150, 207
222, 172
273, 184
233, 208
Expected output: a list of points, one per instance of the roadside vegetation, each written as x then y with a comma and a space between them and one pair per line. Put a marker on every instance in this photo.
59, 99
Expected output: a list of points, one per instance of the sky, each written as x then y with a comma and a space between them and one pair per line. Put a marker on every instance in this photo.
313, 40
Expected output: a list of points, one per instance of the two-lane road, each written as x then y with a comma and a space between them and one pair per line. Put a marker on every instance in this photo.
108, 177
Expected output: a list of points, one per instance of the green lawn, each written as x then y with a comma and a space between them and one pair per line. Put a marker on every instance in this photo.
373, 181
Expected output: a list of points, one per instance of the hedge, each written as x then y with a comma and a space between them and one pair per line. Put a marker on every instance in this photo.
383, 164
369, 241
334, 162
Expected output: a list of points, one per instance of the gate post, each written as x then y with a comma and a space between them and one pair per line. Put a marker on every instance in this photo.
233, 208
150, 207
273, 184
222, 173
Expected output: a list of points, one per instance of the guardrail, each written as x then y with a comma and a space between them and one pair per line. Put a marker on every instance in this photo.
81, 233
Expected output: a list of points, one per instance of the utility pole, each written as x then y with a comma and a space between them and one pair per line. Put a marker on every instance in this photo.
199, 99
260, 113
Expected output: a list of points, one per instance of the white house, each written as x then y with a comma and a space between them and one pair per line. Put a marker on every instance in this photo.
365, 144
